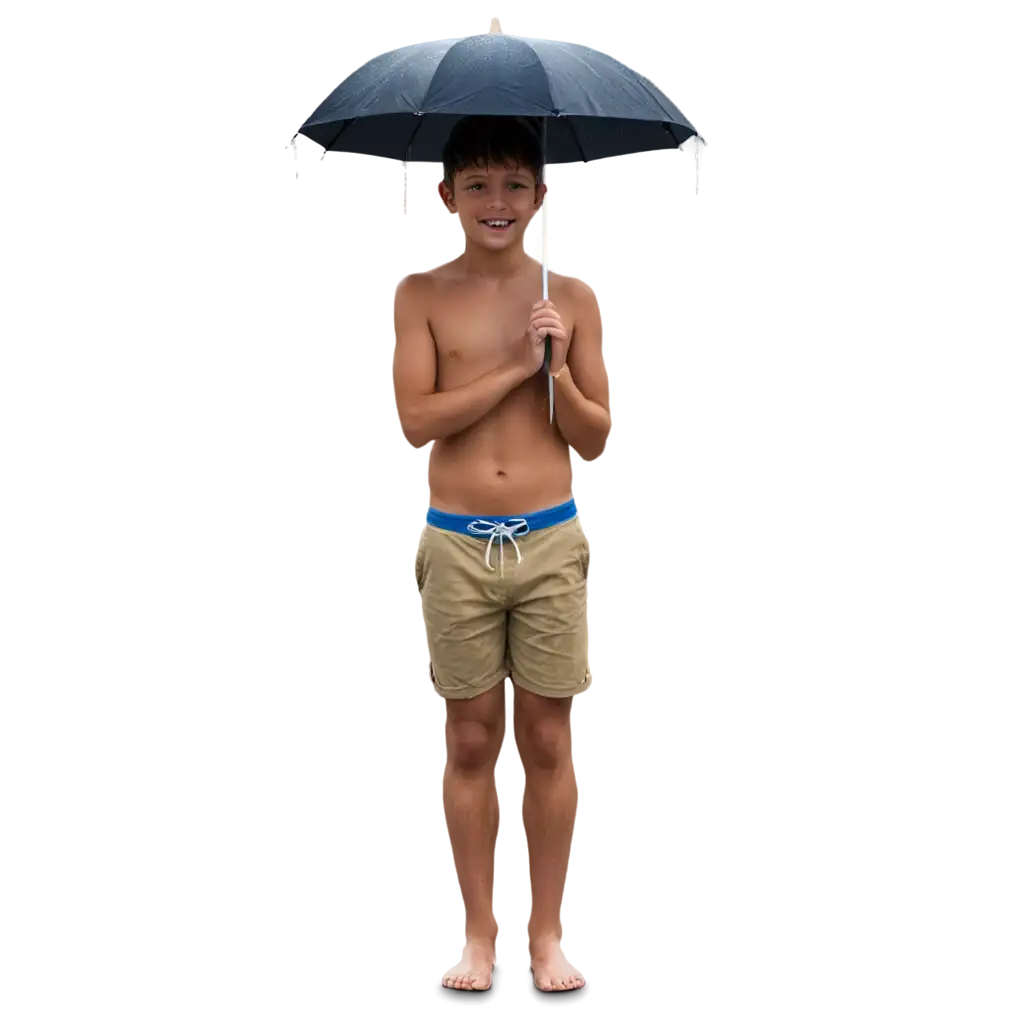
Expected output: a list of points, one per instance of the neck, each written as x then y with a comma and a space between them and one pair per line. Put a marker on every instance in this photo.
482, 262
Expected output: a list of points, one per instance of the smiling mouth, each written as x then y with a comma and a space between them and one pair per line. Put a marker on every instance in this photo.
497, 225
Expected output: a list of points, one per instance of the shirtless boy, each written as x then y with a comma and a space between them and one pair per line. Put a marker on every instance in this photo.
502, 561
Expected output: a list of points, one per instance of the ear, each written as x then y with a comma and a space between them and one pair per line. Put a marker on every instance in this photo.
538, 198
446, 197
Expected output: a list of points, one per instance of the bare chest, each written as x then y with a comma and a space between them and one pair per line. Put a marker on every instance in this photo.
474, 332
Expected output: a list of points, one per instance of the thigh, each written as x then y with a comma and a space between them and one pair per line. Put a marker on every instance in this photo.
547, 631
465, 619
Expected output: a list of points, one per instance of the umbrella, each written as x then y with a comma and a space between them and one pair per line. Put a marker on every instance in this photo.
403, 105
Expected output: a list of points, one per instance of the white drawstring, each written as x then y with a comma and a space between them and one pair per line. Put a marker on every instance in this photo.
485, 528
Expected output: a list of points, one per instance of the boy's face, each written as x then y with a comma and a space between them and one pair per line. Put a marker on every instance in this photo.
484, 195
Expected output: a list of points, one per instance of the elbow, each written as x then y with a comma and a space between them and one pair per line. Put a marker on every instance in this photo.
414, 429
412, 443
596, 448
416, 439
587, 441
591, 451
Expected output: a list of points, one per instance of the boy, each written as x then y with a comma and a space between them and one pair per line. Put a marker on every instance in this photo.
502, 561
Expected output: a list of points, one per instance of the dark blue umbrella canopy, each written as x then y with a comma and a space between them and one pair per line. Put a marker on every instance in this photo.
404, 104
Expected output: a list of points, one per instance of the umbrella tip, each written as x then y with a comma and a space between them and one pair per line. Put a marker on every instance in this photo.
495, 27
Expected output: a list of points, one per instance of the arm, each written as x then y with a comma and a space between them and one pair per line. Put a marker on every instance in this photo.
582, 410
427, 415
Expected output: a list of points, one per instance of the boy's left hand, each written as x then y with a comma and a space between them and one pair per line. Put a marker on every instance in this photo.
544, 320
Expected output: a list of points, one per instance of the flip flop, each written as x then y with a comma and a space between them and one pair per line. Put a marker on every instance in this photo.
471, 996
559, 996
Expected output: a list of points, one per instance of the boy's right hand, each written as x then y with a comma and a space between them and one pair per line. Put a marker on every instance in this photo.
529, 354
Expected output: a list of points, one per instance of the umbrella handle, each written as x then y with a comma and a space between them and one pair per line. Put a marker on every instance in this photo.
551, 380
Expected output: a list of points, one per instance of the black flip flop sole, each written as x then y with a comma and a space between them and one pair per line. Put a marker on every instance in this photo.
473, 996
559, 997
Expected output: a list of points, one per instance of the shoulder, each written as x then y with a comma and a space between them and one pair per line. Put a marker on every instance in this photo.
572, 288
577, 295
425, 282
413, 293
414, 284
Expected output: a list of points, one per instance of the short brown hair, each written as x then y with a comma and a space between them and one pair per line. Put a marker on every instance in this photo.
490, 140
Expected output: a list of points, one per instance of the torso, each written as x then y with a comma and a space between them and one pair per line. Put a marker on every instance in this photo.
511, 461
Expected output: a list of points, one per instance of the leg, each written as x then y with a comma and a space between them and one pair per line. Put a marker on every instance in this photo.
466, 635
542, 734
474, 731
547, 635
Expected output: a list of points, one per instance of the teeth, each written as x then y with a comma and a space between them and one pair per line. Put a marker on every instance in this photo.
497, 223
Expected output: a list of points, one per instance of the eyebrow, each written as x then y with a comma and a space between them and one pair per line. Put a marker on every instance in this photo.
511, 174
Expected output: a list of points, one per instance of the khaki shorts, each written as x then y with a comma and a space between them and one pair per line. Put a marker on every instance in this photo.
504, 603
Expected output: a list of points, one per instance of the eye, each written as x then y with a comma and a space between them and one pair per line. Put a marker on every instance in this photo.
516, 184
476, 184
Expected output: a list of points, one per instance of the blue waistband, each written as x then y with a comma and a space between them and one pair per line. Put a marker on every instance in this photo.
534, 520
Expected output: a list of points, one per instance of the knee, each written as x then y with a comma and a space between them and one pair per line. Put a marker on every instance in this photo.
472, 745
544, 744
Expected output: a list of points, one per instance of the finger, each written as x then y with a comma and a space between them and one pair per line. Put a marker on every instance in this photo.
551, 329
548, 321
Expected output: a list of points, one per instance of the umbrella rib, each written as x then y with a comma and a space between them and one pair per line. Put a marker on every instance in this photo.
670, 127
344, 125
579, 145
408, 145
348, 122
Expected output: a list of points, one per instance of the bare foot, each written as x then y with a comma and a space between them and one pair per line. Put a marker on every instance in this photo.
551, 971
473, 972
